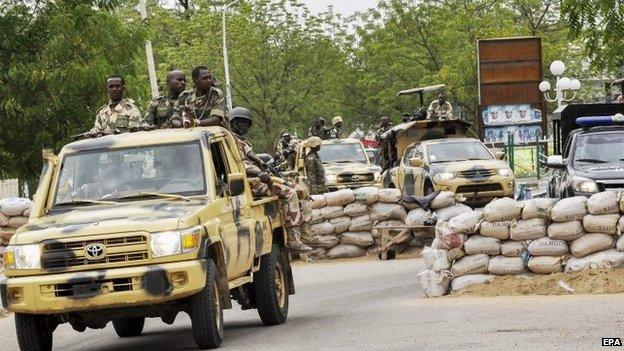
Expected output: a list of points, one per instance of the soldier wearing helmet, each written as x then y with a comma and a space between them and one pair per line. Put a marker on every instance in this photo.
317, 129
336, 132
314, 167
262, 184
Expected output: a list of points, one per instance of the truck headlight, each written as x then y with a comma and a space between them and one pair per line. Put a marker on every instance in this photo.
444, 176
22, 257
175, 242
331, 179
505, 172
583, 184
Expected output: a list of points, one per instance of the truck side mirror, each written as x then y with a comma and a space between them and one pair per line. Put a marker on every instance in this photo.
555, 161
500, 155
416, 162
236, 184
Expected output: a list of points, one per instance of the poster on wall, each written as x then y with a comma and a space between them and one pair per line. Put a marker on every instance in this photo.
522, 133
511, 114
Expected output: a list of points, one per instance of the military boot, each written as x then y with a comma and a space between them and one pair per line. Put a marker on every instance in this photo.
294, 240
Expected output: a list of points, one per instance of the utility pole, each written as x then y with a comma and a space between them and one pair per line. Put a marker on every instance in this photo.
226, 64
151, 67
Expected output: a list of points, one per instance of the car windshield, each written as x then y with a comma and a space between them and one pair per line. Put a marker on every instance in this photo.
342, 152
599, 148
457, 151
87, 177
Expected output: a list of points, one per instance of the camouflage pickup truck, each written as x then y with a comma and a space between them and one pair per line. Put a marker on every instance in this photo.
147, 224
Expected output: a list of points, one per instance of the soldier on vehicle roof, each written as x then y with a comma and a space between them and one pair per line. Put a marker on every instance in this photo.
336, 132
262, 184
202, 106
314, 167
317, 129
160, 109
440, 109
120, 114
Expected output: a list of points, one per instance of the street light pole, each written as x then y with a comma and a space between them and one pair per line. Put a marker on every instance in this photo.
226, 64
562, 85
151, 67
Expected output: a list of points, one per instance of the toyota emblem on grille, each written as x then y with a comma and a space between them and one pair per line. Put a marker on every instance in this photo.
95, 251
355, 178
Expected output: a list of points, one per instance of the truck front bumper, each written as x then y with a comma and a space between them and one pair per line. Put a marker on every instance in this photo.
103, 289
479, 190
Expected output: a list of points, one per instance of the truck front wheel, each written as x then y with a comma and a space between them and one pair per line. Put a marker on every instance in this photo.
33, 333
270, 287
206, 312
127, 327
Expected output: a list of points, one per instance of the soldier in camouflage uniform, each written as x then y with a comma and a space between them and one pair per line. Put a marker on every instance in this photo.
160, 109
314, 167
336, 132
203, 106
440, 109
384, 152
283, 151
317, 129
120, 115
262, 184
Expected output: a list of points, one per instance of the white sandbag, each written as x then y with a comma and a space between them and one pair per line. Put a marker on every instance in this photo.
361, 239
361, 223
606, 202
316, 216
445, 214
469, 280
450, 239
514, 248
14, 206
325, 241
346, 251
322, 228
355, 209
590, 243
16, 222
442, 200
470, 264
501, 265
546, 264
317, 201
367, 194
503, 209
382, 211
567, 231
466, 223
436, 259
569, 209
619, 245
341, 224
455, 254
330, 212
4, 219
417, 216
548, 247
340, 197
439, 244
607, 259
498, 230
538, 208
620, 226
389, 195
606, 223
434, 283
477, 244
528, 229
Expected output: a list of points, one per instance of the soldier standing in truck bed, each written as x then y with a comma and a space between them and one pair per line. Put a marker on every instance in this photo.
440, 109
120, 114
160, 109
314, 167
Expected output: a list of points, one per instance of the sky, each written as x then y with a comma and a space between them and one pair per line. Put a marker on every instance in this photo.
344, 7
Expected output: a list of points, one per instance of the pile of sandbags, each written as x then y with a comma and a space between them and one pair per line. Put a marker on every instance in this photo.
14, 213
537, 236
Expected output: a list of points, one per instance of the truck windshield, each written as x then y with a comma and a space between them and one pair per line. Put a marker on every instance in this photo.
457, 151
341, 153
87, 177
599, 148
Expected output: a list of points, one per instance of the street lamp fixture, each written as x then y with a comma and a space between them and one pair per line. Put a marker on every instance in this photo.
226, 64
563, 85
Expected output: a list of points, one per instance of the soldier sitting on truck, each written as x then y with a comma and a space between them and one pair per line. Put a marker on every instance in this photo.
160, 109
440, 109
264, 185
120, 114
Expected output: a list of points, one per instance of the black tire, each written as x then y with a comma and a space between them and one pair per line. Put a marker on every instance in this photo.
428, 189
270, 287
128, 327
33, 333
206, 312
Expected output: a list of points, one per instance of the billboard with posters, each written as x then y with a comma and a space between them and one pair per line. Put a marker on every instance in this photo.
523, 121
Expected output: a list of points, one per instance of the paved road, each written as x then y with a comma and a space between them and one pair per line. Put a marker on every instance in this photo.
372, 305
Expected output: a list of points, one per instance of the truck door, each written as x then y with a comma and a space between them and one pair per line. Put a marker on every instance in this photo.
234, 213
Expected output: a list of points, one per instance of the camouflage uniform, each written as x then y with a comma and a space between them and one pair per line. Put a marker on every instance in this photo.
316, 174
336, 133
159, 112
292, 212
384, 153
190, 106
317, 132
440, 112
123, 117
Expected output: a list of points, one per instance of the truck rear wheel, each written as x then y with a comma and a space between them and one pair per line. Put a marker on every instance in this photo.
33, 333
206, 312
127, 327
270, 287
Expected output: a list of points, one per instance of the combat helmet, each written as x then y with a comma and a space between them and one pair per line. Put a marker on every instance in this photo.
240, 112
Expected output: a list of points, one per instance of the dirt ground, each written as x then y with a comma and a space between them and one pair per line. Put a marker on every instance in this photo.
585, 282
